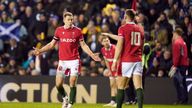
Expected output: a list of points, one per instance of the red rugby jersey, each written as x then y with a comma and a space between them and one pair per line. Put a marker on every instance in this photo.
179, 52
68, 42
109, 54
133, 35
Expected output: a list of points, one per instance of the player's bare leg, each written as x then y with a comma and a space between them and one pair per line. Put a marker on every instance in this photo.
73, 82
59, 85
113, 87
137, 81
122, 81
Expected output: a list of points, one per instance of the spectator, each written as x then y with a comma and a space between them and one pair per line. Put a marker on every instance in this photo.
12, 67
185, 6
93, 69
164, 24
186, 23
84, 71
27, 18
146, 57
156, 52
12, 6
155, 34
5, 18
34, 67
38, 29
114, 21
1, 46
27, 62
15, 14
51, 6
153, 15
2, 66
82, 22
165, 63
153, 70
2, 7
22, 71
14, 51
189, 47
143, 20
174, 11
53, 24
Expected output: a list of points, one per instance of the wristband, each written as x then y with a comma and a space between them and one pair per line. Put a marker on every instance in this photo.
114, 60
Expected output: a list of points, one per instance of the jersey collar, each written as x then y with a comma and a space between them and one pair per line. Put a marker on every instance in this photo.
68, 28
130, 22
109, 48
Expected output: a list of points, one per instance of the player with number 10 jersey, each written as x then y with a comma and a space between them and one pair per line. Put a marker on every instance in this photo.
133, 42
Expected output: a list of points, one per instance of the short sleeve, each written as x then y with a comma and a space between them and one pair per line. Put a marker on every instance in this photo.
120, 32
56, 35
80, 36
102, 52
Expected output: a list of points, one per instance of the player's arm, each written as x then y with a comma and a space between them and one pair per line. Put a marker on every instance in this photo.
46, 48
87, 50
112, 36
118, 50
108, 66
177, 53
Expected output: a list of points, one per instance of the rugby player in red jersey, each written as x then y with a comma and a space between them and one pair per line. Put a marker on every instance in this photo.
69, 38
108, 52
129, 50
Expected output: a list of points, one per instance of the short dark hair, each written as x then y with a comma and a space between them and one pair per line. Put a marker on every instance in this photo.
67, 14
179, 31
130, 13
103, 37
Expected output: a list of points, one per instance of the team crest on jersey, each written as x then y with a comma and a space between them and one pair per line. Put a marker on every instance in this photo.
73, 34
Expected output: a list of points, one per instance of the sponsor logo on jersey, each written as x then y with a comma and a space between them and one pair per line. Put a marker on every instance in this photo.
67, 40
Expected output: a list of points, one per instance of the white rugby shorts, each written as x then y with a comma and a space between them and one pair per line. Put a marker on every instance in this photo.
128, 69
68, 67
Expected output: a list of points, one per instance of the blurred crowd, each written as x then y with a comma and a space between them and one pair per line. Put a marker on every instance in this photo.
38, 20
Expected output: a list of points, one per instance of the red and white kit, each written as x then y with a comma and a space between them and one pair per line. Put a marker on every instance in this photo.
69, 59
109, 54
131, 56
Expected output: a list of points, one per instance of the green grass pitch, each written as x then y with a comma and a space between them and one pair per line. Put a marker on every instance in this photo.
57, 105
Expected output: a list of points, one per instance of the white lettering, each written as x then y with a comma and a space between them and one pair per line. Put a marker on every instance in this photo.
54, 93
68, 40
83, 94
4, 90
89, 96
30, 90
44, 93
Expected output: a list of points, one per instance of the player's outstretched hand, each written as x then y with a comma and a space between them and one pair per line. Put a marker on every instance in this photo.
113, 67
96, 57
36, 51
